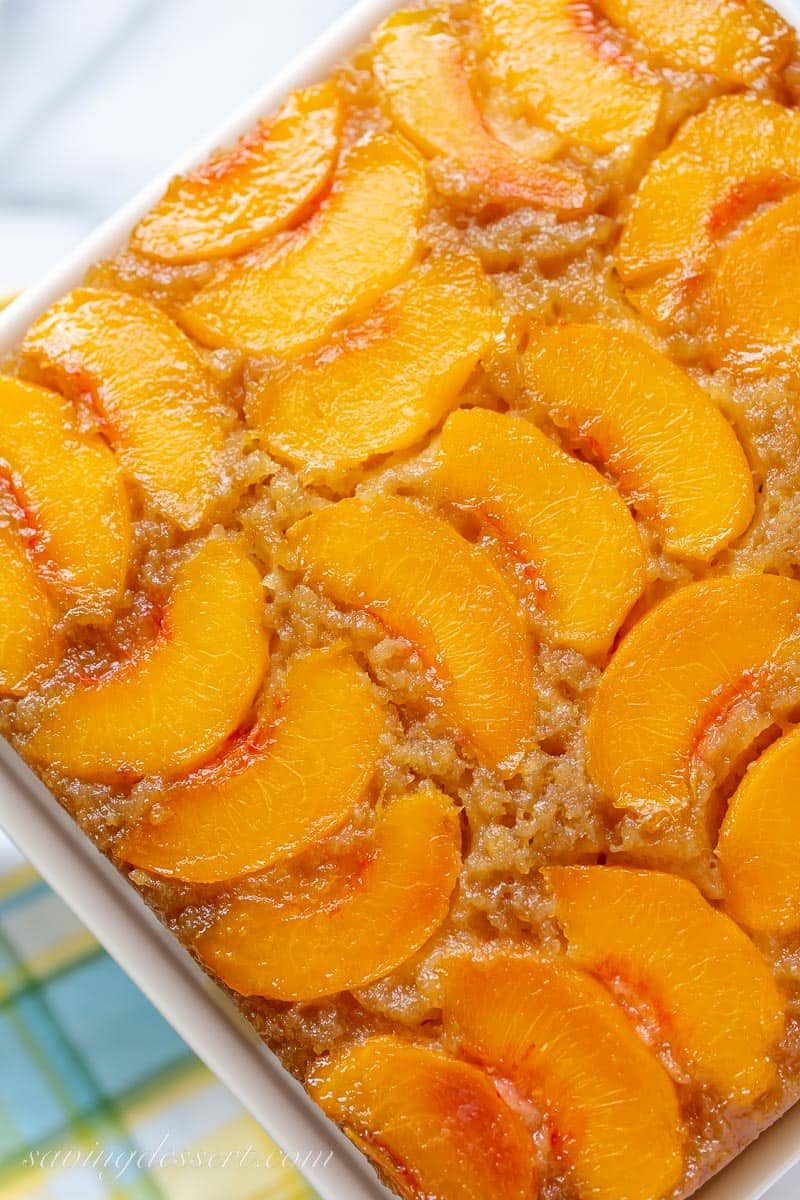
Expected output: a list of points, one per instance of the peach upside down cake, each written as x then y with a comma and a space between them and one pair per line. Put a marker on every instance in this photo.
400, 554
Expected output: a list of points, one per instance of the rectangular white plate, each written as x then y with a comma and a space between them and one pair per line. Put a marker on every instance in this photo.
112, 910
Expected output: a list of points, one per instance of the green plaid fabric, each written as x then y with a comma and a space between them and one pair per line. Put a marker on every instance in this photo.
99, 1097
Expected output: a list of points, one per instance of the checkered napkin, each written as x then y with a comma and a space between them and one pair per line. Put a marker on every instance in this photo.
99, 1098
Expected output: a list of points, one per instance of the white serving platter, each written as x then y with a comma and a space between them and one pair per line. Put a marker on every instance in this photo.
204, 1017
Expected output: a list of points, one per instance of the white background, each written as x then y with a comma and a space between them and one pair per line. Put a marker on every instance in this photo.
96, 96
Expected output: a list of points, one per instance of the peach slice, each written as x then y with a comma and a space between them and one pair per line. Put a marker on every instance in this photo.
381, 386
655, 430
737, 41
555, 66
653, 936
567, 534
676, 676
293, 779
436, 1128
294, 294
561, 1039
761, 264
67, 487
345, 932
176, 700
738, 153
758, 848
420, 68
148, 386
256, 188
427, 585
27, 641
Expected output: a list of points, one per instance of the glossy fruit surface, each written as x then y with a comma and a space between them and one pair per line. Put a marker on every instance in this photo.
382, 385
678, 673
651, 426
735, 40
760, 265
258, 187
557, 1034
420, 67
565, 532
345, 930
295, 292
28, 644
152, 394
708, 992
427, 585
758, 848
174, 701
435, 1127
548, 57
68, 491
739, 153
294, 778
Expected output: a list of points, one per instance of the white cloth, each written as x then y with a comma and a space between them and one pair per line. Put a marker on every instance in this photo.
96, 96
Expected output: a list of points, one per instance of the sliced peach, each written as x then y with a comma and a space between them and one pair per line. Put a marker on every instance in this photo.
420, 68
295, 293
710, 994
427, 585
656, 431
293, 779
738, 153
761, 265
561, 1039
738, 41
436, 1128
151, 391
176, 700
347, 931
567, 534
27, 641
555, 66
381, 386
256, 188
67, 487
758, 848
676, 676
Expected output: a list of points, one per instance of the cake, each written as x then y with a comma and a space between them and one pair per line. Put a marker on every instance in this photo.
400, 544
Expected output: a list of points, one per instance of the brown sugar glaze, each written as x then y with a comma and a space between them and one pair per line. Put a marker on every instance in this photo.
543, 266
